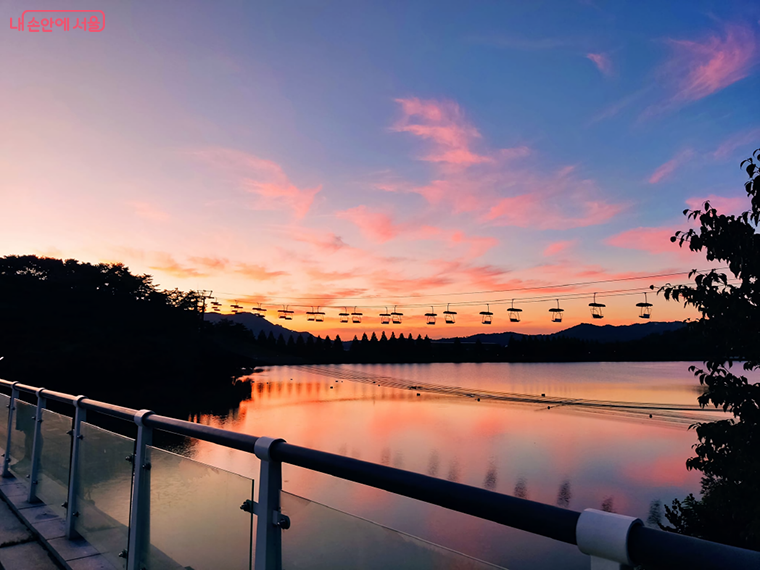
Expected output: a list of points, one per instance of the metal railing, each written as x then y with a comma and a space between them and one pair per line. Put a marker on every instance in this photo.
611, 540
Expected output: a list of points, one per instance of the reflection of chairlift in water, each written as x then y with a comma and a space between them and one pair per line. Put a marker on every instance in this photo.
385, 318
259, 311
596, 309
487, 315
356, 316
319, 316
344, 315
235, 308
645, 308
431, 316
285, 313
514, 314
450, 316
396, 316
557, 313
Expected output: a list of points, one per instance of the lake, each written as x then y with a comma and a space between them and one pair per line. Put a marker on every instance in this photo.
577, 435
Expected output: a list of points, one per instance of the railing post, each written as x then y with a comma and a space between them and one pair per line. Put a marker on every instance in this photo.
11, 409
604, 536
269, 519
139, 520
36, 448
72, 501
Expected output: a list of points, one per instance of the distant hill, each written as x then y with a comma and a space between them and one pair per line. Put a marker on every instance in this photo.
584, 331
621, 333
258, 324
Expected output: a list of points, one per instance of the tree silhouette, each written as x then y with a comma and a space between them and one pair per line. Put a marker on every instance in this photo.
728, 452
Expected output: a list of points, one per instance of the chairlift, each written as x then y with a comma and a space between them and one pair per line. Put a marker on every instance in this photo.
310, 315
514, 314
235, 308
319, 316
344, 315
645, 311
486, 316
259, 311
396, 316
285, 313
557, 313
385, 318
450, 316
596, 309
431, 316
356, 316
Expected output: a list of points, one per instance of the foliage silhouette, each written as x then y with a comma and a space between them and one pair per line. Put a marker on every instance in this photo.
728, 451
105, 332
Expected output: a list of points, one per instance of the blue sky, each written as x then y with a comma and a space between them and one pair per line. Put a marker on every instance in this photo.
362, 152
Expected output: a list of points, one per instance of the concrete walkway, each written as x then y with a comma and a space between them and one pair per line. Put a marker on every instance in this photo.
19, 547
33, 537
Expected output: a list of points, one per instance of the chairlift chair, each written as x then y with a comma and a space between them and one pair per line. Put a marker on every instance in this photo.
356, 316
285, 313
514, 314
259, 311
319, 316
235, 308
557, 313
385, 318
396, 316
645, 311
344, 315
596, 309
431, 316
487, 315
450, 316
310, 315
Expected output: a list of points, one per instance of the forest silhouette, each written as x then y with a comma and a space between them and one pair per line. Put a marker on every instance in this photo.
104, 332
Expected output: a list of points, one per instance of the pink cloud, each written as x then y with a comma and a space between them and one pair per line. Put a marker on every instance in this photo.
724, 204
534, 211
326, 242
495, 185
376, 226
261, 177
148, 211
653, 240
702, 68
602, 61
443, 124
380, 228
166, 263
257, 272
558, 247
215, 263
670, 166
745, 140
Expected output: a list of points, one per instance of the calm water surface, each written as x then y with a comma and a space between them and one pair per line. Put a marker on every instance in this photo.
563, 456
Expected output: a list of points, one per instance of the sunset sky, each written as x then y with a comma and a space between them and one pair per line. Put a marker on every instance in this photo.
376, 154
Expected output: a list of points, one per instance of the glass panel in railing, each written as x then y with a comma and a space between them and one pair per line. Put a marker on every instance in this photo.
5, 401
322, 538
22, 440
55, 455
104, 491
196, 520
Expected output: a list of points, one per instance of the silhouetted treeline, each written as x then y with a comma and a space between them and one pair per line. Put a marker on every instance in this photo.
683, 344
101, 331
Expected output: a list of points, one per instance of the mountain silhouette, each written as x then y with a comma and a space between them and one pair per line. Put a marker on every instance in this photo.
584, 331
256, 324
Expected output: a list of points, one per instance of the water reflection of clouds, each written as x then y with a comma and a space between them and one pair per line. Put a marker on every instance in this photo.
554, 456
